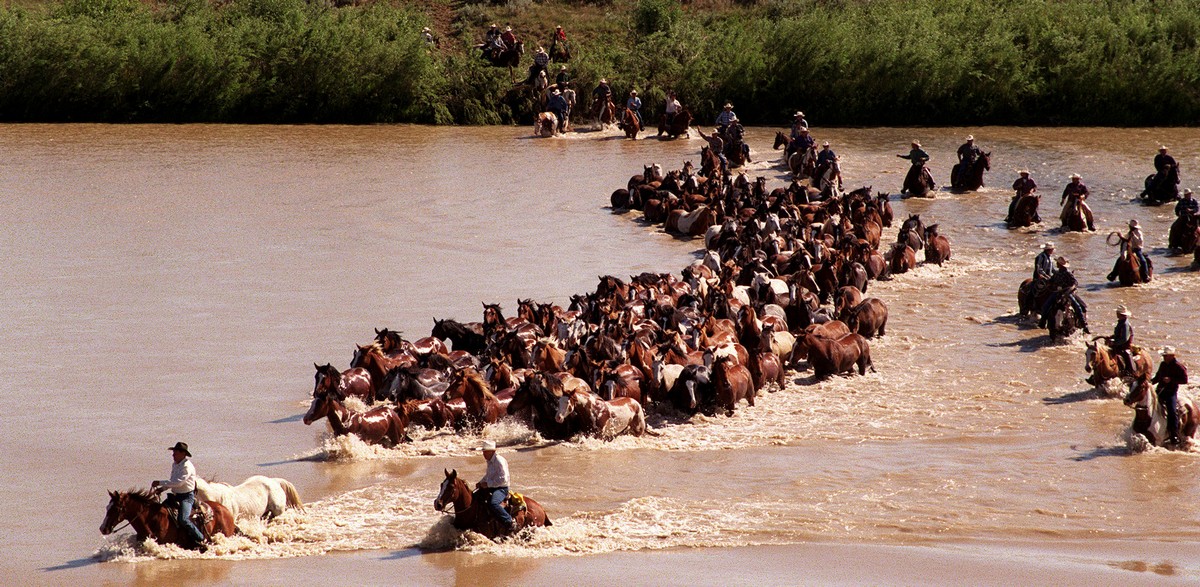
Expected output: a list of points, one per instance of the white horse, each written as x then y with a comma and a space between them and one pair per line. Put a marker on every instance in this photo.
546, 125
257, 497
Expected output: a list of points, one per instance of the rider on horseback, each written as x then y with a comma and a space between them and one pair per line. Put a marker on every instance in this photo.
1164, 163
634, 103
1187, 204
672, 107
558, 105
1043, 268
183, 492
918, 157
717, 145
568, 94
800, 143
492, 43
509, 38
1063, 282
799, 124
493, 488
540, 60
1121, 341
1171, 374
725, 117
1024, 186
1076, 192
1132, 242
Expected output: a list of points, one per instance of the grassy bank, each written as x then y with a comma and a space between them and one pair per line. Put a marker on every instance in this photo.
844, 62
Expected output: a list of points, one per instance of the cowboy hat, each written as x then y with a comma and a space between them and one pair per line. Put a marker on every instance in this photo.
562, 68
970, 137
825, 144
1048, 246
799, 114
1167, 351
633, 92
486, 446
508, 29
558, 26
1076, 176
1133, 223
1024, 172
1187, 191
424, 29
181, 447
1062, 262
603, 81
1123, 311
916, 143
1162, 148
728, 105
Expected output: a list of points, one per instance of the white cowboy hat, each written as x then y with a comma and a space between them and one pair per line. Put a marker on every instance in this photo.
1162, 148
603, 81
558, 26
633, 92
1062, 262
1123, 311
1023, 172
825, 144
1049, 246
494, 26
486, 445
916, 143
799, 114
970, 137
728, 105
508, 29
1133, 224
1076, 176
1167, 351
563, 68
424, 29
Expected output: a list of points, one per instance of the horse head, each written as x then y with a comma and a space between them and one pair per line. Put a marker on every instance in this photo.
114, 513
566, 405
448, 493
319, 408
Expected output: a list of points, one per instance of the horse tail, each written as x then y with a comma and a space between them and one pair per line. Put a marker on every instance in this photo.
293, 496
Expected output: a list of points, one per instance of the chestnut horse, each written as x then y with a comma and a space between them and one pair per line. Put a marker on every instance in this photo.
483, 407
376, 362
732, 382
678, 127
833, 357
380, 425
351, 382
969, 179
937, 247
149, 518
901, 259
1103, 365
474, 515
535, 401
868, 318
1150, 419
1025, 213
605, 419
629, 123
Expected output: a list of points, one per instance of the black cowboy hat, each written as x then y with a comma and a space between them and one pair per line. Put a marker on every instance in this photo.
181, 447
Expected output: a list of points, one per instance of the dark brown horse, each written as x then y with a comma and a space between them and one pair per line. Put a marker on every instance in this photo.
1025, 213
1184, 234
483, 407
429, 413
968, 178
464, 337
732, 382
380, 425
868, 318
630, 124
535, 401
149, 518
677, 127
351, 382
619, 380
901, 259
473, 515
937, 247
832, 330
1130, 271
376, 362
833, 357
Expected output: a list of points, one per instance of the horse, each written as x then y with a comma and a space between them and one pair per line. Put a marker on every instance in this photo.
630, 124
535, 400
1103, 364
1073, 218
937, 247
732, 382
409, 383
149, 518
1129, 270
1161, 187
830, 180
351, 382
1184, 234
830, 357
1150, 418
677, 127
833, 329
901, 259
464, 337
694, 223
483, 407
380, 425
545, 125
803, 164
1027, 306
510, 57
1025, 213
1063, 321
429, 413
621, 380
605, 419
918, 182
868, 318
970, 178
475, 515
604, 111
257, 497
766, 366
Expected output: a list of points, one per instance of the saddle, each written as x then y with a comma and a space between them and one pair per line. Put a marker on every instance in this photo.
202, 516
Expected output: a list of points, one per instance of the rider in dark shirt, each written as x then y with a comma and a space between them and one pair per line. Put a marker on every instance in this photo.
1187, 204
1064, 282
1171, 374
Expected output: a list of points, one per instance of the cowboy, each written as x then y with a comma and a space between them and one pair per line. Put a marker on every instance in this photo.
634, 103
1121, 341
968, 152
1187, 205
734, 134
559, 38
562, 76
1162, 160
672, 107
918, 156
717, 145
1063, 282
1132, 242
1024, 186
1043, 268
798, 124
492, 41
1171, 374
802, 143
427, 36
725, 117
509, 38
182, 485
568, 94
602, 91
1076, 192
493, 487
826, 156
558, 105
540, 60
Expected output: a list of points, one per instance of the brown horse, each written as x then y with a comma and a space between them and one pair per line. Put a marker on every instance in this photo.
833, 357
1027, 306
766, 367
868, 318
376, 362
149, 518
351, 382
677, 127
535, 401
1184, 233
1103, 365
473, 515
901, 259
428, 413
381, 425
1130, 271
733, 382
604, 111
483, 407
693, 223
1150, 418
937, 247
833, 330
605, 419
621, 380
1025, 212
965, 178
1073, 218
630, 124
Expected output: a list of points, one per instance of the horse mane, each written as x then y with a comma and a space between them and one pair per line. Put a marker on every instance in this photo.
476, 379
144, 496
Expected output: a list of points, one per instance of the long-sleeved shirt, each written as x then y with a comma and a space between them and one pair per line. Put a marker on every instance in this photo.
1043, 265
569, 95
634, 103
183, 477
1187, 205
1122, 336
1074, 190
968, 151
826, 156
541, 58
1024, 185
916, 155
557, 103
672, 106
497, 472
725, 117
1161, 160
1172, 369
1134, 239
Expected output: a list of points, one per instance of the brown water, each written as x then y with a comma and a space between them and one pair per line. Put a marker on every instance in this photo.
169, 283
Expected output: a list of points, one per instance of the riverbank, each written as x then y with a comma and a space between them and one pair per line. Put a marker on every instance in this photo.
847, 63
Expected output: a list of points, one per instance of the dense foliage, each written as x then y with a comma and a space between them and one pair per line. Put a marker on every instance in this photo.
855, 62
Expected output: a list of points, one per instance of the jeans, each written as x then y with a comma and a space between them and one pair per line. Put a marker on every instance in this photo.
494, 498
1080, 307
186, 501
1167, 394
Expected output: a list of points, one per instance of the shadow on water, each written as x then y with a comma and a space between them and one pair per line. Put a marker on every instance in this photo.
1101, 451
404, 554
287, 419
1075, 396
72, 564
